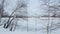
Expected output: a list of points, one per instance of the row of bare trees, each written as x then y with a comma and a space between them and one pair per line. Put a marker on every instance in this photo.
53, 11
20, 10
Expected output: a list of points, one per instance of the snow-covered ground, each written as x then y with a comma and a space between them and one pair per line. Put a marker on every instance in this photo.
35, 26
32, 25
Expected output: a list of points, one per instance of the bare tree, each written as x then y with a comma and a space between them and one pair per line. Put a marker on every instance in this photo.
18, 12
1, 9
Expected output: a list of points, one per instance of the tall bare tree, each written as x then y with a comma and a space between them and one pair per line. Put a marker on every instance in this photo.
19, 11
1, 8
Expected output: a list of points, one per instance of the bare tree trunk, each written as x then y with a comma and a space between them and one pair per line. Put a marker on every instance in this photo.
1, 9
47, 29
6, 24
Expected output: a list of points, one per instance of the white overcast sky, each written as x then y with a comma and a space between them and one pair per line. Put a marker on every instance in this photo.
34, 7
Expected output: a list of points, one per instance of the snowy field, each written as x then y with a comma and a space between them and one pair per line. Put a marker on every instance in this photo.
35, 26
